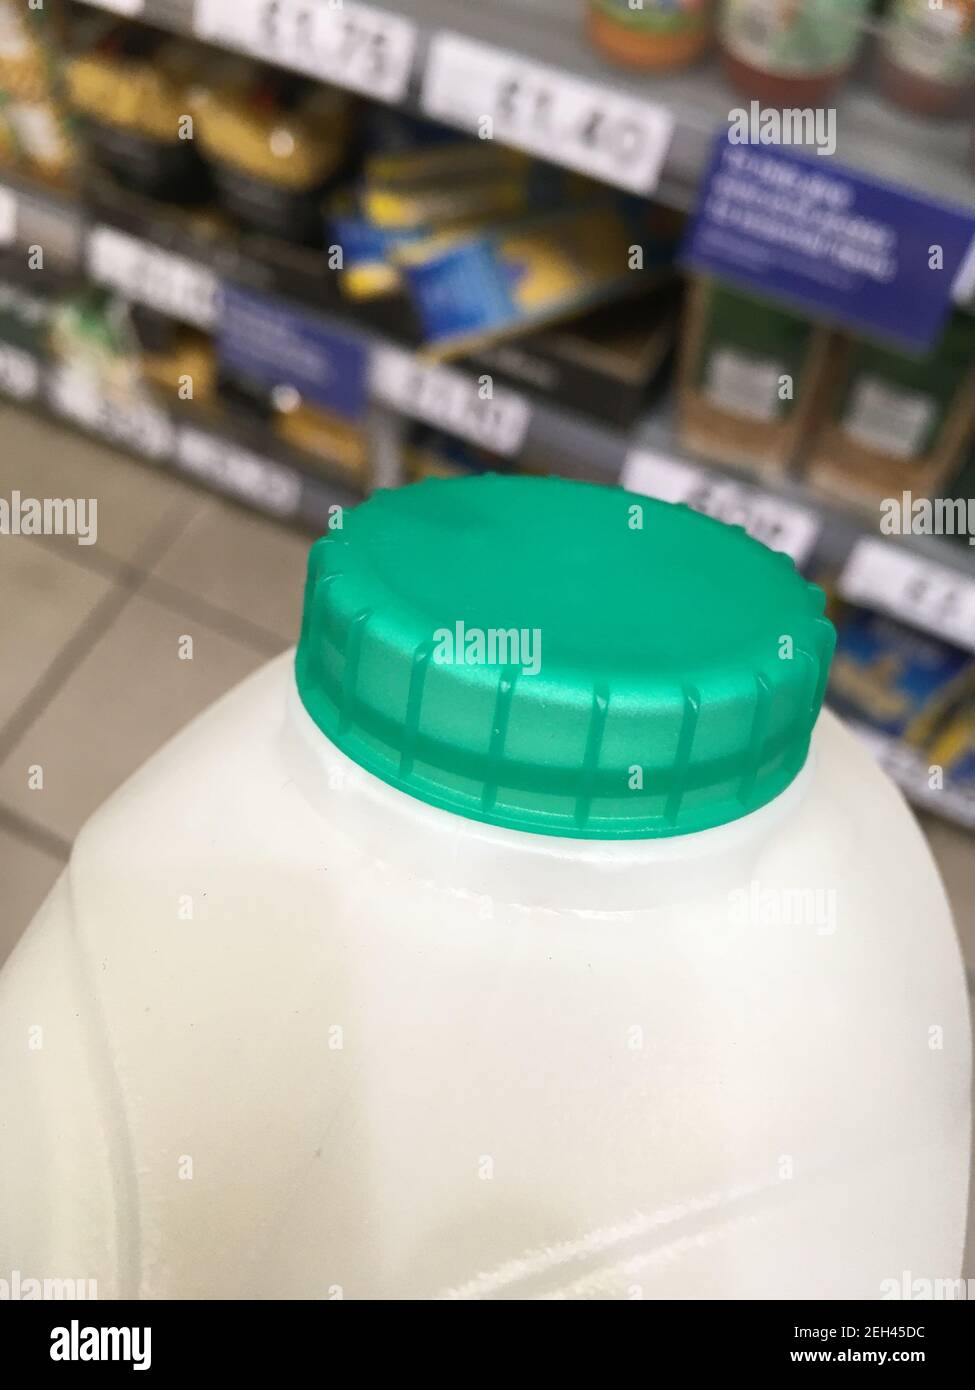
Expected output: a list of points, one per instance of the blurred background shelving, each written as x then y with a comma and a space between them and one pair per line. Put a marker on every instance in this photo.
212, 260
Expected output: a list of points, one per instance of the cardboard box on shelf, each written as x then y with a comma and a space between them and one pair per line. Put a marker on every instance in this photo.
894, 423
750, 378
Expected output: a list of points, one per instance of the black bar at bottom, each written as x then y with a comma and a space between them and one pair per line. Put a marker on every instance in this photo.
167, 1340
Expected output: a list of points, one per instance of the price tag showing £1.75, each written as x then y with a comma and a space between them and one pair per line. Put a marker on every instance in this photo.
615, 137
351, 45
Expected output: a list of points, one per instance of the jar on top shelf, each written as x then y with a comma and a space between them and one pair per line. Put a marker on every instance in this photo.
656, 35
790, 52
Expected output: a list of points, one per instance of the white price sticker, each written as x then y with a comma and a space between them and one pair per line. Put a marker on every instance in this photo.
777, 524
126, 7
451, 400
224, 465
8, 216
617, 138
134, 424
963, 289
148, 275
743, 385
19, 373
884, 575
351, 45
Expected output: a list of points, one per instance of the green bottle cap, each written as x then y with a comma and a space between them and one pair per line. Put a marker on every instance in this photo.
562, 658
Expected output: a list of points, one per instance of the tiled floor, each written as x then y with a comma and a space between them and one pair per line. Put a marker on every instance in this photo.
91, 680
90, 676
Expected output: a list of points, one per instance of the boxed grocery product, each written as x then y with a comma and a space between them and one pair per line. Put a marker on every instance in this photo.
444, 183
369, 268
896, 680
130, 90
414, 191
894, 422
602, 363
471, 289
267, 413
180, 362
418, 182
275, 144
750, 377
954, 748
321, 435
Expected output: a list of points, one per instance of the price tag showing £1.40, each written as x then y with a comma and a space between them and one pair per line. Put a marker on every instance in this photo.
615, 137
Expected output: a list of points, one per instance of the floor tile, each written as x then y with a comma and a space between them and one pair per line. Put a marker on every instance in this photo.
134, 499
26, 873
243, 564
126, 697
46, 601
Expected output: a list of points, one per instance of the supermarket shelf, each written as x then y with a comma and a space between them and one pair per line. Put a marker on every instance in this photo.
927, 581
841, 529
931, 157
279, 487
269, 479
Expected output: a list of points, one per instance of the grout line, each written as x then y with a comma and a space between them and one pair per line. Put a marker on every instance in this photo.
139, 576
222, 620
36, 834
68, 657
97, 623
115, 567
91, 559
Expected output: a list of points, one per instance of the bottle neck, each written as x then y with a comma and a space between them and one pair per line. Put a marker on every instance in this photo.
511, 865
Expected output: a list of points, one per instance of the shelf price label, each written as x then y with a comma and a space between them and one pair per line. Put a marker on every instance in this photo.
778, 524
885, 575
19, 373
963, 288
273, 487
147, 274
126, 7
614, 137
8, 216
351, 45
135, 424
451, 400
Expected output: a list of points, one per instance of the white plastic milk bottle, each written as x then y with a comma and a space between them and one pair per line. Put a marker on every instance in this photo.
532, 934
